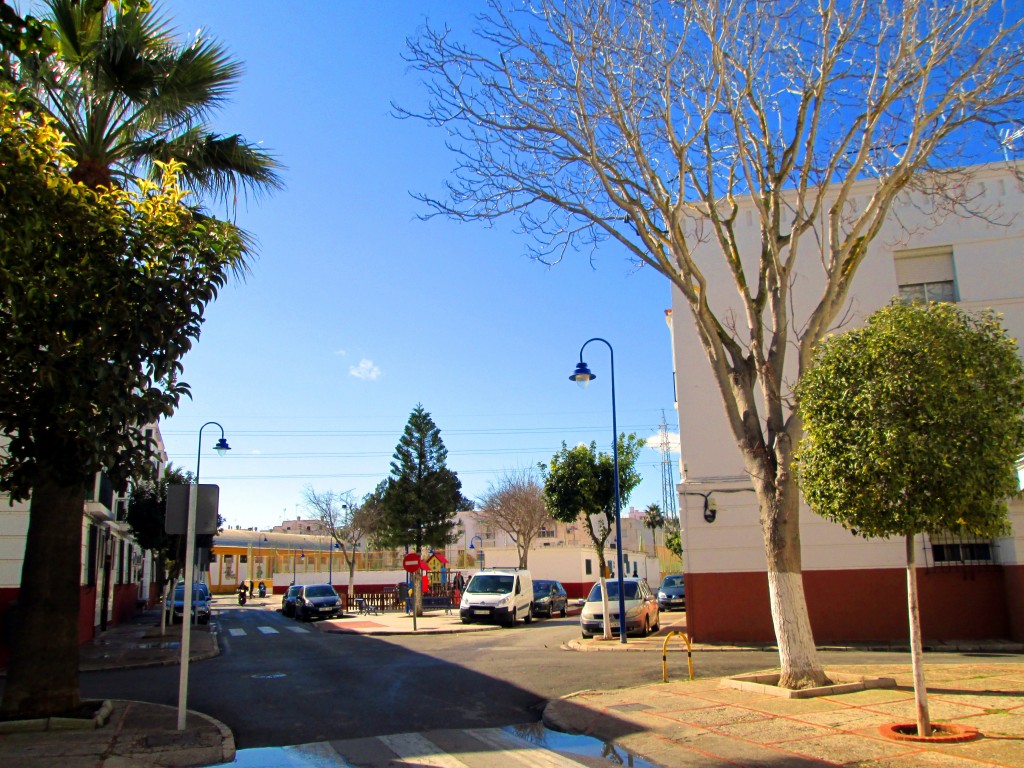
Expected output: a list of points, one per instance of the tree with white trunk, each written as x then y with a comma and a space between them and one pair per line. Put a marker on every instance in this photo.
647, 125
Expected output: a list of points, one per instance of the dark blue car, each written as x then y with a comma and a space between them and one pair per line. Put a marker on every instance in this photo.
549, 598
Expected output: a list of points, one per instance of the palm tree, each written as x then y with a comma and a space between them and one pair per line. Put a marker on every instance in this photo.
127, 95
654, 519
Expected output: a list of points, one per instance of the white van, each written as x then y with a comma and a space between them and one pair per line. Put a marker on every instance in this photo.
498, 594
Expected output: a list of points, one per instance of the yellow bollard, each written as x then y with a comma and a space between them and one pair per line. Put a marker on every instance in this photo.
664, 655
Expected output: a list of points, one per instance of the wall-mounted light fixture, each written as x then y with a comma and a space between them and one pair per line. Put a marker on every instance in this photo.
710, 504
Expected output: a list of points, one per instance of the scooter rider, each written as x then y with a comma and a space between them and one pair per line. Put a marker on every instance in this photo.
242, 591
263, 589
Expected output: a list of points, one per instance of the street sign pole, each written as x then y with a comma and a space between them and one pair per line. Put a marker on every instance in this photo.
186, 611
412, 564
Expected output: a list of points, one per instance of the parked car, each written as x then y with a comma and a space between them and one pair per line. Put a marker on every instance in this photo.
200, 604
316, 601
288, 600
498, 594
549, 598
642, 615
672, 593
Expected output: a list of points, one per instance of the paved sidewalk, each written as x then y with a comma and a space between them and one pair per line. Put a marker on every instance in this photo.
136, 733
702, 723
679, 723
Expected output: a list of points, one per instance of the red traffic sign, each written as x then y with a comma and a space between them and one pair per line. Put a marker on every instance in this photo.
412, 562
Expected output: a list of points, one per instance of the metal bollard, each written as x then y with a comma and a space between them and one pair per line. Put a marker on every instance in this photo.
664, 655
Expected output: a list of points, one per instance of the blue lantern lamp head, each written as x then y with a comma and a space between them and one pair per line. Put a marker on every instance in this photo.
221, 447
583, 375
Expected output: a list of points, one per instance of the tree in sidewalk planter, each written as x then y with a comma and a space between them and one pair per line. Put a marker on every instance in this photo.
914, 425
579, 488
101, 294
665, 127
346, 522
515, 505
128, 94
422, 497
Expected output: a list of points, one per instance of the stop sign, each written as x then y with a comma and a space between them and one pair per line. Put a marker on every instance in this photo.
411, 562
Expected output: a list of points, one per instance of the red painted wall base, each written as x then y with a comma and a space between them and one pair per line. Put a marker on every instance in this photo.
973, 603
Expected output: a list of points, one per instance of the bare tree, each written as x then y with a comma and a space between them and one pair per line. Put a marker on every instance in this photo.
345, 522
515, 505
652, 123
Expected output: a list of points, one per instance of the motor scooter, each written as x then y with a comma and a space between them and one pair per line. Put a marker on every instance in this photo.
262, 589
241, 596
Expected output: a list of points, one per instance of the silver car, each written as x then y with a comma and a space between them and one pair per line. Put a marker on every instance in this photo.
642, 614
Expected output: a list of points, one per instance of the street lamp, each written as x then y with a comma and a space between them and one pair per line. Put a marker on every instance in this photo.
583, 377
480, 554
190, 553
330, 563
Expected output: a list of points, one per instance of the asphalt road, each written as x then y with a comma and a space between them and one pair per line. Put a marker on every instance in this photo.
278, 682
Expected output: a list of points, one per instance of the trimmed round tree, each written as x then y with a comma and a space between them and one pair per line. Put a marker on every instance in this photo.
913, 424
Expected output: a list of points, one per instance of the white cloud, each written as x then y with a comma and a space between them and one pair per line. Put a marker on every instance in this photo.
366, 370
670, 438
341, 353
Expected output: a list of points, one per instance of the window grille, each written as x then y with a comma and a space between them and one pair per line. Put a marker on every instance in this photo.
949, 549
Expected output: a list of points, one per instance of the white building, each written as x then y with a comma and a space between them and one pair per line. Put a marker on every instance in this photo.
855, 588
116, 574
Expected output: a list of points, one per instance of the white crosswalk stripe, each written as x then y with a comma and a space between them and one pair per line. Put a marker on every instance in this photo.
413, 749
517, 749
453, 748
297, 629
236, 632
268, 630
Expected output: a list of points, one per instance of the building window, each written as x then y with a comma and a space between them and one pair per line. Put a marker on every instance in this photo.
587, 568
953, 549
926, 275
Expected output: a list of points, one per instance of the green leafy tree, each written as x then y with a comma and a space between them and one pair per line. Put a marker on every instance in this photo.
579, 488
673, 539
20, 36
146, 516
722, 143
423, 497
101, 294
127, 94
914, 424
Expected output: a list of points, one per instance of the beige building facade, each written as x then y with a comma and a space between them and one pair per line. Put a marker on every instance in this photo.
855, 587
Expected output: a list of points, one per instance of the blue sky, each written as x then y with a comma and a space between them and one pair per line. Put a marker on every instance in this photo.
356, 311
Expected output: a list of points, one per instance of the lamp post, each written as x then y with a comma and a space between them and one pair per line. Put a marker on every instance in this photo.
330, 563
480, 553
190, 553
583, 377
259, 554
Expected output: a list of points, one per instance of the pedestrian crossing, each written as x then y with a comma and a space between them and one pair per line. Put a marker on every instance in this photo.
517, 747
267, 630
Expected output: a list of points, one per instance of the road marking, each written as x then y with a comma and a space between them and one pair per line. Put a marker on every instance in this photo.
296, 628
513, 747
413, 749
267, 630
236, 632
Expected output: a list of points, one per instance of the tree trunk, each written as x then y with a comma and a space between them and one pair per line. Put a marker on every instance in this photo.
798, 656
924, 723
42, 676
